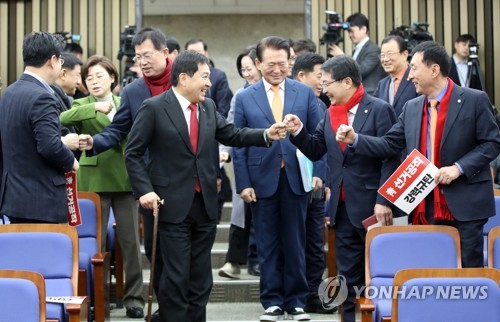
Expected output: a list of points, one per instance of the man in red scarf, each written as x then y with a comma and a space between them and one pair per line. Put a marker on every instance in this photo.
354, 178
151, 53
465, 141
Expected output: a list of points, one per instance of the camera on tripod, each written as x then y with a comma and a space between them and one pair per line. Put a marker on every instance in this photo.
412, 35
126, 49
333, 28
473, 51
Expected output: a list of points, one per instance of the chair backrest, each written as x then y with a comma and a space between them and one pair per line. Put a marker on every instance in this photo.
491, 223
392, 248
49, 249
22, 296
466, 294
494, 248
90, 210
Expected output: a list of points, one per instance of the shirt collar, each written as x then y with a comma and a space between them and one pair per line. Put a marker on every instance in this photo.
267, 86
401, 73
441, 94
362, 43
41, 80
184, 102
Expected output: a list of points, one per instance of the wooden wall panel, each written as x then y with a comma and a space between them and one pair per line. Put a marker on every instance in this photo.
101, 35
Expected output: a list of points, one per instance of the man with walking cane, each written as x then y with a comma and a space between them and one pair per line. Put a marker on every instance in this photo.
180, 130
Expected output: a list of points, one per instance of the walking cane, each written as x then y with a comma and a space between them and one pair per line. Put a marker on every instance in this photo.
153, 257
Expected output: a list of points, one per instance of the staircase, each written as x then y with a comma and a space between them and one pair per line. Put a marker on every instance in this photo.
230, 300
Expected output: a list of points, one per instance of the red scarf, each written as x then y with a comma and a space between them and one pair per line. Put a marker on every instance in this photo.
160, 83
338, 113
441, 210
338, 116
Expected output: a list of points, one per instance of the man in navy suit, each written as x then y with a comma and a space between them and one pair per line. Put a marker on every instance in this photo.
466, 140
33, 159
365, 52
270, 180
180, 129
151, 53
354, 179
396, 88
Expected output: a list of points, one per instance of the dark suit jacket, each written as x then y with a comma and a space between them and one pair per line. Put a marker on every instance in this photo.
406, 91
361, 175
369, 66
160, 127
475, 81
470, 138
259, 168
132, 97
219, 92
33, 158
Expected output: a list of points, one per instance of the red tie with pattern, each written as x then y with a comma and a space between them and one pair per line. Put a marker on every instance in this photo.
193, 135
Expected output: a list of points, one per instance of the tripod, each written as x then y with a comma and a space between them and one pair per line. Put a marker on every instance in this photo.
474, 77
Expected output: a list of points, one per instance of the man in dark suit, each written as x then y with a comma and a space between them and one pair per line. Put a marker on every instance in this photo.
151, 53
466, 140
366, 52
354, 179
396, 88
270, 180
460, 72
64, 87
33, 158
180, 130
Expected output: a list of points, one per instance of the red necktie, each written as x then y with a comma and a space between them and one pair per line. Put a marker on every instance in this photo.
193, 135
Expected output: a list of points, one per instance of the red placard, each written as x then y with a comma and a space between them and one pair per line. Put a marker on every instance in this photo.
412, 181
74, 218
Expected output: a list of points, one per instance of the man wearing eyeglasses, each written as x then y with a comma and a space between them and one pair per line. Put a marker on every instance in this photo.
270, 180
396, 88
33, 159
151, 53
354, 178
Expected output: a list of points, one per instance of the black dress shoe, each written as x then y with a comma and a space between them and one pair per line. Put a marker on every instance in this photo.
155, 317
314, 305
254, 270
135, 312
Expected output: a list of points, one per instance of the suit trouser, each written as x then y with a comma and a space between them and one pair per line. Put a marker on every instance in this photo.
186, 280
471, 235
279, 223
315, 255
127, 229
241, 246
350, 252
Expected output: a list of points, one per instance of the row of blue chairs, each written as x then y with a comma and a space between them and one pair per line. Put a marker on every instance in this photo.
391, 250
68, 258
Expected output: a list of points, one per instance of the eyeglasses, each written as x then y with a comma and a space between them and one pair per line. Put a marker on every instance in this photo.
325, 85
387, 55
246, 70
61, 60
282, 65
146, 57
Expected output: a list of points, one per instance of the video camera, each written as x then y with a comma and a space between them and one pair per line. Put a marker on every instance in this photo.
69, 37
412, 35
333, 28
128, 50
473, 51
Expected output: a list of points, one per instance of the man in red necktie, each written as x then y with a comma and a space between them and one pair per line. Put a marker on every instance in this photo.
354, 179
180, 129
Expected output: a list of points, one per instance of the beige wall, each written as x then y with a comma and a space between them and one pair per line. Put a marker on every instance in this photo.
227, 35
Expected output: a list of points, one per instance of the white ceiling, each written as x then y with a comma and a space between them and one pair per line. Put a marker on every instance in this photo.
195, 7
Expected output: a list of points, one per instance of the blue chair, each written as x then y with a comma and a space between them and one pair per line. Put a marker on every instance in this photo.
52, 251
22, 296
94, 270
492, 222
494, 248
458, 295
390, 249
113, 247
